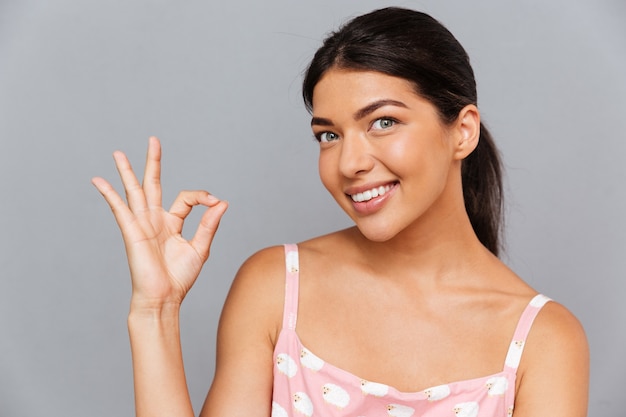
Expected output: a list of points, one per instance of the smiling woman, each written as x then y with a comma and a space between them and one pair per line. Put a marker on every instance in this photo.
426, 56
387, 136
407, 313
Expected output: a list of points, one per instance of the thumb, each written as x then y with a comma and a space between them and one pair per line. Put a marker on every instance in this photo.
207, 228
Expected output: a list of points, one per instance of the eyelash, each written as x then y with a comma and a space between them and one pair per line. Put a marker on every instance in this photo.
393, 121
385, 118
318, 136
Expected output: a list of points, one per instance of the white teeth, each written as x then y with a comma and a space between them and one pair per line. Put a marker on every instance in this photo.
369, 194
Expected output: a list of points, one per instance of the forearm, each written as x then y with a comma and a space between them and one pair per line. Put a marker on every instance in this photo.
159, 375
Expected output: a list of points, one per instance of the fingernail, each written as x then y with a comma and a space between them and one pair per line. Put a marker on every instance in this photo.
212, 199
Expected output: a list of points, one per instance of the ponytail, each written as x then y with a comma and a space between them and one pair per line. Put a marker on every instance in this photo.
481, 173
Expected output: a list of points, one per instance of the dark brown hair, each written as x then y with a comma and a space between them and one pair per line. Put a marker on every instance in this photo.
412, 45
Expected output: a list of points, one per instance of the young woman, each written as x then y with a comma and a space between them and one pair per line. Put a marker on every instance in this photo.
409, 312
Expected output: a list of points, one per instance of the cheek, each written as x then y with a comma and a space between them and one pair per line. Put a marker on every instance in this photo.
416, 153
400, 156
326, 168
399, 150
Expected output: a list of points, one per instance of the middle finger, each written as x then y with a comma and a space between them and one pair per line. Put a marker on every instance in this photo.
152, 173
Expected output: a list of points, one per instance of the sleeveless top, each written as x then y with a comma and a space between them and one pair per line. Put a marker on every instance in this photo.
305, 385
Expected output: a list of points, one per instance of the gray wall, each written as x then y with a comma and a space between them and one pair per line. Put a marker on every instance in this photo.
219, 83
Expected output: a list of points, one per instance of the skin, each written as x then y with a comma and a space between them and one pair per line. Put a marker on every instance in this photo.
411, 272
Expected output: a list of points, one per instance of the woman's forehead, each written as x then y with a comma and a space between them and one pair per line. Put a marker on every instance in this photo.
355, 89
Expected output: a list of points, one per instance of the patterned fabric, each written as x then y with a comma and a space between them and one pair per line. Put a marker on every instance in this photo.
304, 385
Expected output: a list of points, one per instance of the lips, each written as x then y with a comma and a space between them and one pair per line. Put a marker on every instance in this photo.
369, 199
371, 193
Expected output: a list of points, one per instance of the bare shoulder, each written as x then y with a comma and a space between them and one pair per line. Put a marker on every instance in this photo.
258, 290
263, 265
553, 378
262, 275
556, 331
555, 319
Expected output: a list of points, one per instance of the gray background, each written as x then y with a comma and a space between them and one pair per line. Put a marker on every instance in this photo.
219, 83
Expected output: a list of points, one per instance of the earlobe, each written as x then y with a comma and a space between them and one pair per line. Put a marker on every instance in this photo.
467, 130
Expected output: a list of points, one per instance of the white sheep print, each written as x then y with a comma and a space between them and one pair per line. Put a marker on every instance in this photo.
306, 386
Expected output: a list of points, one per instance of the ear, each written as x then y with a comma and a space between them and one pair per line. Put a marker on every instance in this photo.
466, 131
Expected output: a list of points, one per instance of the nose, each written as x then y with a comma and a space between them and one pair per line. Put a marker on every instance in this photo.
356, 157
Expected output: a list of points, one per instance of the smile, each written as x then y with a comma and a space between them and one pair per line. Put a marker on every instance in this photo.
369, 194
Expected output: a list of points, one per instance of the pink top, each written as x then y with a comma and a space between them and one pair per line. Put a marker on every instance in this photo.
305, 385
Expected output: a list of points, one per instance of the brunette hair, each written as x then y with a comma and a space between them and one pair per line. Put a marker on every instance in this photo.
412, 45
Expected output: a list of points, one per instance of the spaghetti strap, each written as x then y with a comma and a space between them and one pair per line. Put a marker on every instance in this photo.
514, 355
290, 313
307, 385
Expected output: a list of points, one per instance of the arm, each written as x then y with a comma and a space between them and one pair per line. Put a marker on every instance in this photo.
163, 267
554, 378
249, 326
159, 376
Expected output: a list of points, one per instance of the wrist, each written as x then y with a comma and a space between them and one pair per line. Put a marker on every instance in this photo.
141, 311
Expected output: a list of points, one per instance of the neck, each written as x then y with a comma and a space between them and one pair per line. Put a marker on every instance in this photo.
441, 243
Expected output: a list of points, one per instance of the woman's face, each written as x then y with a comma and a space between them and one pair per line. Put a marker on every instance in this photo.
385, 155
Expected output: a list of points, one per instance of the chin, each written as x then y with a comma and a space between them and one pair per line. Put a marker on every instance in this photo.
379, 235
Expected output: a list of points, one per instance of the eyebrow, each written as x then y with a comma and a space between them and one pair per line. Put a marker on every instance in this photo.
361, 113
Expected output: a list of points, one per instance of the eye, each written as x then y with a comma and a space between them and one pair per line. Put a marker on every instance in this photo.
327, 136
383, 123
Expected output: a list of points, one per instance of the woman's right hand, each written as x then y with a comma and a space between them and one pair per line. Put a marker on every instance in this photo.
163, 265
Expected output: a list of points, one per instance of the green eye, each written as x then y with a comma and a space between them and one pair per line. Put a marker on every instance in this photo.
327, 137
383, 123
